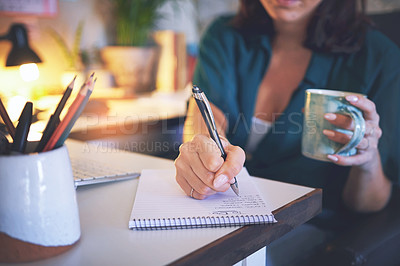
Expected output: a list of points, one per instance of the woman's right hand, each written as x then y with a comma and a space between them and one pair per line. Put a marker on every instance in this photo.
200, 166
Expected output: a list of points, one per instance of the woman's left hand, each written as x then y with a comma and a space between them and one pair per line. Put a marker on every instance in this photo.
368, 146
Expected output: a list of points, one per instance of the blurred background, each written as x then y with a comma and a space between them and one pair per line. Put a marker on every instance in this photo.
78, 37
95, 20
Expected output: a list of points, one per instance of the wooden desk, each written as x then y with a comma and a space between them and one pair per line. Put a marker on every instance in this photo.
105, 210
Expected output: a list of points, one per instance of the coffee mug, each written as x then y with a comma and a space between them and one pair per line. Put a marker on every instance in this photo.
318, 102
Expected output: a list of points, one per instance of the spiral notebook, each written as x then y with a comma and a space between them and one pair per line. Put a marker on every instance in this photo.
161, 204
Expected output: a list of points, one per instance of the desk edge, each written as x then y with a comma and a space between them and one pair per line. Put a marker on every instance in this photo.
225, 250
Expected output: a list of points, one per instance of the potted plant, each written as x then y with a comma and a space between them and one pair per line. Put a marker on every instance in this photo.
133, 60
72, 54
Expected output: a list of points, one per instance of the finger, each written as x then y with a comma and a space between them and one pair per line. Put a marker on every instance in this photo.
185, 165
208, 152
342, 121
358, 159
207, 177
373, 130
225, 142
184, 184
345, 122
197, 183
231, 168
364, 144
189, 158
188, 180
367, 106
187, 188
197, 167
342, 138
336, 136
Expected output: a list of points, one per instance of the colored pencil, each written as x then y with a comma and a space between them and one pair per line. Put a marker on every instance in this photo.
70, 114
67, 130
54, 120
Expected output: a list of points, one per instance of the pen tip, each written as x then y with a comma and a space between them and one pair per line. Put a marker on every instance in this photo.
235, 187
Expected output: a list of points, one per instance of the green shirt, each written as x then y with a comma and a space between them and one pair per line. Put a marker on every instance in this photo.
231, 65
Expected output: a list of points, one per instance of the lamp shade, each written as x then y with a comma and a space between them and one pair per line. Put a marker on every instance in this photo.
20, 53
20, 56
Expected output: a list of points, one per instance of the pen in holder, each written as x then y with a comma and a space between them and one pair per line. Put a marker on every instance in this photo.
39, 215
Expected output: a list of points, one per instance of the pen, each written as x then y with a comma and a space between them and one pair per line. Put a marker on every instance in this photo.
55, 118
7, 120
205, 109
22, 130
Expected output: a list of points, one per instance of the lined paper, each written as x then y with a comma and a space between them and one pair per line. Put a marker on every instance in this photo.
161, 204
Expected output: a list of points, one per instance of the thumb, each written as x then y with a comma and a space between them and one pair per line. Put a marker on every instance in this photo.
230, 168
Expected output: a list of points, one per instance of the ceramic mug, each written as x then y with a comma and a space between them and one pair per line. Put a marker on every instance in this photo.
318, 102
39, 214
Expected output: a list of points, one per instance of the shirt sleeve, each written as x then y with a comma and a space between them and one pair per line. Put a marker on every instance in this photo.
386, 88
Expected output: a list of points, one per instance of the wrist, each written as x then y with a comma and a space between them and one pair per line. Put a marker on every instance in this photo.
372, 164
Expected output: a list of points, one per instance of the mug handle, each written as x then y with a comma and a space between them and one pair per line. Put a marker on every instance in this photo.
359, 128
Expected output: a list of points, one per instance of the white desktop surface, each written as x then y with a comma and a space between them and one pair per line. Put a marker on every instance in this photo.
105, 210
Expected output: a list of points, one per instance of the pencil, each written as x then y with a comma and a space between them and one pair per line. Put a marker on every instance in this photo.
71, 123
71, 111
54, 120
7, 120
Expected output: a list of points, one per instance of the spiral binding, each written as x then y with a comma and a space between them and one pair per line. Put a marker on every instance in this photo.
200, 222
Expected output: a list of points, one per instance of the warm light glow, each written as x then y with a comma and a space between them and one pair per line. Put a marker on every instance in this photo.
29, 72
15, 105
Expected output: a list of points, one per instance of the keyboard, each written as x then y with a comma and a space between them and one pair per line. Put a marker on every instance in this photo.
87, 171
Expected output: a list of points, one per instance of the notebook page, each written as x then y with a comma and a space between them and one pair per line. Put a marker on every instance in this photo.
160, 197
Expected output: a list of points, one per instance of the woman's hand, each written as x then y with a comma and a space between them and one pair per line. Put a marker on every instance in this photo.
368, 146
367, 189
200, 169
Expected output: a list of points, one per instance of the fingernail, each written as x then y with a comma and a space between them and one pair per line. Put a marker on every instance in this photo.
333, 158
352, 98
330, 116
220, 180
328, 133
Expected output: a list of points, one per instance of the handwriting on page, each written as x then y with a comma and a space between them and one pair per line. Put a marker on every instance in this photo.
166, 206
233, 205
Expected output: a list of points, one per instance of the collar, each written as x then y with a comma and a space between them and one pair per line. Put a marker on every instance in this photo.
320, 66
319, 70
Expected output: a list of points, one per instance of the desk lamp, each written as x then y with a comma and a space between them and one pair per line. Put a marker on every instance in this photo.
21, 54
